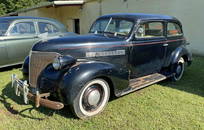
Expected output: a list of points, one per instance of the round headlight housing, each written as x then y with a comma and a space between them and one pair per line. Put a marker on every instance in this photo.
56, 63
62, 62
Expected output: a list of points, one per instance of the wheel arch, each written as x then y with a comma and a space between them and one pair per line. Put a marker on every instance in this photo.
110, 83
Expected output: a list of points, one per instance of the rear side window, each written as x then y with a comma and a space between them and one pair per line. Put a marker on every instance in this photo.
26, 28
47, 28
150, 30
173, 29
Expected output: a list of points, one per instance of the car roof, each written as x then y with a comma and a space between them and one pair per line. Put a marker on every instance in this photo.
140, 16
11, 18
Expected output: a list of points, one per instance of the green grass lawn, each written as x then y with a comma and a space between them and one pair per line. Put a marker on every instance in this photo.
167, 105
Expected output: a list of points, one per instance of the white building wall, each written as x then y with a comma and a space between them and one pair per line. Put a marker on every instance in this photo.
89, 13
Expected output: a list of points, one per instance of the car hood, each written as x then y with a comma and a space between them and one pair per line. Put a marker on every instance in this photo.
74, 42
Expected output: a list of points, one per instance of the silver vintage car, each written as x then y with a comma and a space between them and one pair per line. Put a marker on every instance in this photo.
19, 33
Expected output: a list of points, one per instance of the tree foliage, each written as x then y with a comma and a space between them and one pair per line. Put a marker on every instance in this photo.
8, 6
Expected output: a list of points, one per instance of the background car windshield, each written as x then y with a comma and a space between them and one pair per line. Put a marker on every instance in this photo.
117, 27
3, 27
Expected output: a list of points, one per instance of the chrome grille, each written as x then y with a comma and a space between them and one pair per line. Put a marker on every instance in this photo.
38, 61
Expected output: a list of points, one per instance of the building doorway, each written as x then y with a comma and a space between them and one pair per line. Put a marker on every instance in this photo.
77, 26
74, 25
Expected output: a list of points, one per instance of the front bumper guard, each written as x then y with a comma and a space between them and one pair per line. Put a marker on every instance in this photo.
22, 88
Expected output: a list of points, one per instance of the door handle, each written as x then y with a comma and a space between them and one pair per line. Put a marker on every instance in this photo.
165, 45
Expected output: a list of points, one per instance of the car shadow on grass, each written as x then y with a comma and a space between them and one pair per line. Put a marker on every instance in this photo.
8, 93
192, 80
10, 68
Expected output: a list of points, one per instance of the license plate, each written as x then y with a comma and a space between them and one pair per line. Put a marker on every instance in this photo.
20, 87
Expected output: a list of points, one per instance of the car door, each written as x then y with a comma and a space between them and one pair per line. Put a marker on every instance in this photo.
147, 49
4, 25
3, 53
20, 39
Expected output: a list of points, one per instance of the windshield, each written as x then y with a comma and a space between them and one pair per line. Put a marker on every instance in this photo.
114, 27
3, 27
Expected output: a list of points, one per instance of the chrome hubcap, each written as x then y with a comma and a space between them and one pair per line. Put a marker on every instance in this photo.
94, 97
178, 69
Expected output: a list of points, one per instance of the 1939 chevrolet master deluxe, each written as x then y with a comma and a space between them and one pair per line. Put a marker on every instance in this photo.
122, 53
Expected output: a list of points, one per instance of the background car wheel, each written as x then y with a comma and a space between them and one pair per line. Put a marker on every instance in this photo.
92, 98
178, 69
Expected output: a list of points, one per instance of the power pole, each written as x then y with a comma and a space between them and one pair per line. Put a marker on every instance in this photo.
100, 7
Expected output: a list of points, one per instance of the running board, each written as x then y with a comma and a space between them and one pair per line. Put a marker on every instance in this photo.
138, 83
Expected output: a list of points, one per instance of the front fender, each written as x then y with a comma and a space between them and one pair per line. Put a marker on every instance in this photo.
25, 66
78, 76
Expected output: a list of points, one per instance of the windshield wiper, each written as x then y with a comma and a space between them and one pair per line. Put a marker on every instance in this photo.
109, 32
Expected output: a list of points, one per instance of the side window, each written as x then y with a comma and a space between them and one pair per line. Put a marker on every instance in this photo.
26, 28
173, 29
150, 30
125, 27
47, 28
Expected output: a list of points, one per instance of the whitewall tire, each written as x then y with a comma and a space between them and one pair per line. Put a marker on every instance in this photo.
92, 98
178, 69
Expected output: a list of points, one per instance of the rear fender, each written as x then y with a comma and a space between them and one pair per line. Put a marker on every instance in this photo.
181, 51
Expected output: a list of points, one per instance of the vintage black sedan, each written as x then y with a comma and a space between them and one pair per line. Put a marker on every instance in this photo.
123, 53
19, 33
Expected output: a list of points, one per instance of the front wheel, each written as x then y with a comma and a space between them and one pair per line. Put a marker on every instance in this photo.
92, 98
178, 69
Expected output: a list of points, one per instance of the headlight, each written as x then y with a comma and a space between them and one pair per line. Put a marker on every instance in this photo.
62, 62
56, 63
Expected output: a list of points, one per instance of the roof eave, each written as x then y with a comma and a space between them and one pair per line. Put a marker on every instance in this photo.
47, 4
76, 2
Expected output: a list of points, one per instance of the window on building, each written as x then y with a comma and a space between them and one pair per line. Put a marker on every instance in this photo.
150, 30
47, 28
26, 28
173, 29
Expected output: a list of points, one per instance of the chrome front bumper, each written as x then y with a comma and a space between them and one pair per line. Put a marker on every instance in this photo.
22, 88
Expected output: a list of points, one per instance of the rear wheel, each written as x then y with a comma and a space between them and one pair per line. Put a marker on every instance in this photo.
92, 98
178, 69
